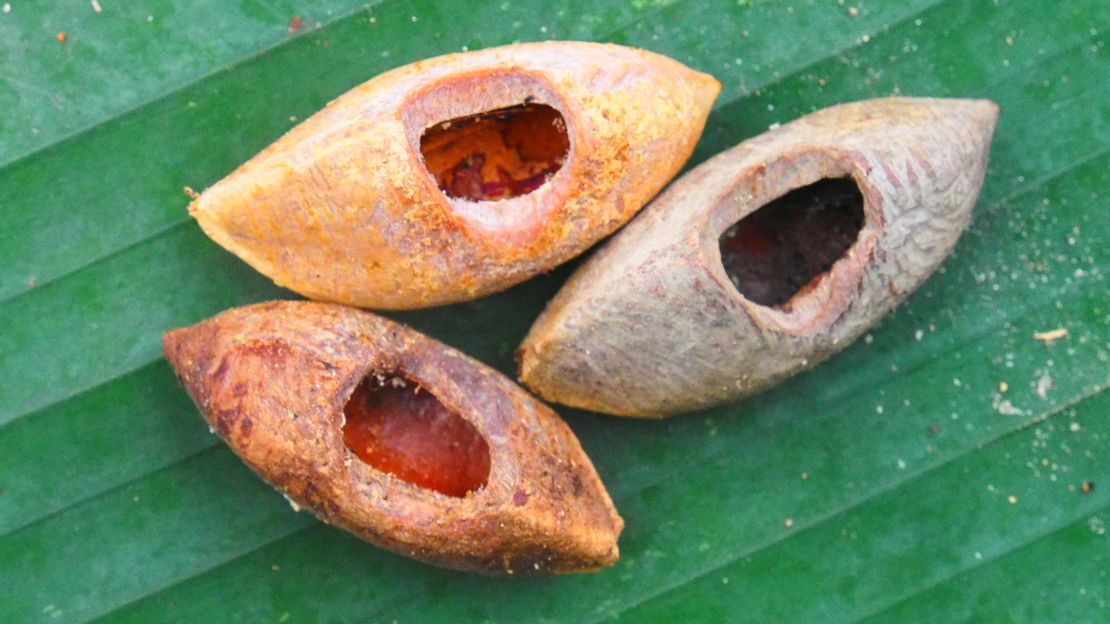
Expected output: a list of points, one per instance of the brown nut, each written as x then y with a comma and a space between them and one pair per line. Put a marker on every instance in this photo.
383, 431
764, 260
461, 175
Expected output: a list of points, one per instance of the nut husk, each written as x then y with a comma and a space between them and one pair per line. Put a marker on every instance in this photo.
651, 325
272, 380
343, 208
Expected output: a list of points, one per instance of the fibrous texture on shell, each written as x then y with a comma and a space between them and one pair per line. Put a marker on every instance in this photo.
461, 175
397, 438
764, 260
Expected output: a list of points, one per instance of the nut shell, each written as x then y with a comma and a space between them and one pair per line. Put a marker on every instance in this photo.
651, 325
343, 209
272, 380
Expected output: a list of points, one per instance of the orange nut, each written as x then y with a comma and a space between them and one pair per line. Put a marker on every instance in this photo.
461, 175
397, 438
764, 260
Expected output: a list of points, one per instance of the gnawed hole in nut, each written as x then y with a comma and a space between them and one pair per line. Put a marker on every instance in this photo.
497, 154
786, 246
398, 427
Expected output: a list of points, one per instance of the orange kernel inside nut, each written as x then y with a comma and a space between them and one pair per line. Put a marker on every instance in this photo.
398, 427
497, 154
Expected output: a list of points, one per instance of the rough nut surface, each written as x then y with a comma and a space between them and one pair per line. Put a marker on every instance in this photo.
272, 380
343, 208
652, 325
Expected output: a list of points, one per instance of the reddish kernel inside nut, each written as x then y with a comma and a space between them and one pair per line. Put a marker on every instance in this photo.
786, 246
497, 154
398, 427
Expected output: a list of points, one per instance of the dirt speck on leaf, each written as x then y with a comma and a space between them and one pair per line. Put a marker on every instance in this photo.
1051, 336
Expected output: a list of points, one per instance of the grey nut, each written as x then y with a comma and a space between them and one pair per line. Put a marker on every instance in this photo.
864, 201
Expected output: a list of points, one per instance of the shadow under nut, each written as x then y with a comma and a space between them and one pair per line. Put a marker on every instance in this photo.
345, 208
654, 325
274, 381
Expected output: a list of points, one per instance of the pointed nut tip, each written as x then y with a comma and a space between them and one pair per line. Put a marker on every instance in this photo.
171, 341
618, 526
983, 111
984, 116
518, 357
706, 87
526, 357
986, 110
609, 558
594, 558
194, 207
178, 346
710, 82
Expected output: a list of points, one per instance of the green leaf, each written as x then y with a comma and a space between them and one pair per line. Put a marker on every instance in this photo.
897, 482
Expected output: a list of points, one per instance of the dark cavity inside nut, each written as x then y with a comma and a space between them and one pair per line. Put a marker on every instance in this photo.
786, 246
396, 426
497, 154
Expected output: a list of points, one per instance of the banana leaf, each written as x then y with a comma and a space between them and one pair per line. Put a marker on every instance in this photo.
948, 467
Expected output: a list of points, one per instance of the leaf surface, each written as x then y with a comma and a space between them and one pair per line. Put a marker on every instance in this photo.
876, 487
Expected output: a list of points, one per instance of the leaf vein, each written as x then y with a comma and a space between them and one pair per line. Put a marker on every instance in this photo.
839, 511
